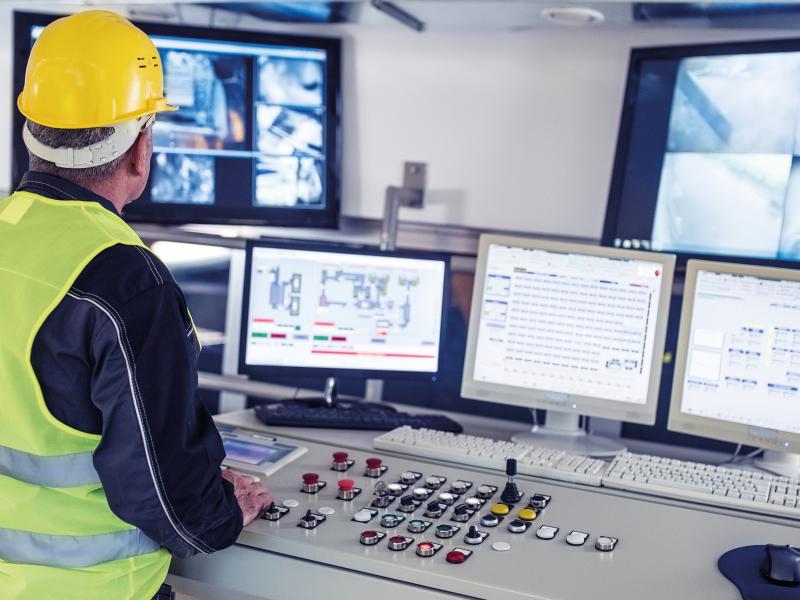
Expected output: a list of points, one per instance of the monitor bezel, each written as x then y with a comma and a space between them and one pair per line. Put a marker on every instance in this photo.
568, 403
270, 372
177, 214
629, 106
705, 426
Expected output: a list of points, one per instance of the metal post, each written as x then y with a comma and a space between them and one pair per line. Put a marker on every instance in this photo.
411, 195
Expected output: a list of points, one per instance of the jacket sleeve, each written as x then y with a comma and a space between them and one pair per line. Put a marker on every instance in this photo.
160, 453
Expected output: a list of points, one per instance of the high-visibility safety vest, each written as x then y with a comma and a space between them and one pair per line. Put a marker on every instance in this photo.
59, 539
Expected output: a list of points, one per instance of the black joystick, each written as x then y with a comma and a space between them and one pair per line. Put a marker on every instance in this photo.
511, 493
474, 536
309, 518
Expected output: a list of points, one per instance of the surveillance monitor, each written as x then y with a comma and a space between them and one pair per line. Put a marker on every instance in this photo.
255, 139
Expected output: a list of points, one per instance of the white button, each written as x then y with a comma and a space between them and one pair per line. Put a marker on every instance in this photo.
501, 546
291, 503
326, 510
473, 503
362, 516
576, 538
421, 493
545, 532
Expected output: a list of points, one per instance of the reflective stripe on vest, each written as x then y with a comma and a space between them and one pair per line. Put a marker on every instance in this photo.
67, 470
72, 552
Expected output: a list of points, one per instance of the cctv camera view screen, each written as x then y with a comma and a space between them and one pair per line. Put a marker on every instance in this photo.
250, 129
246, 114
713, 164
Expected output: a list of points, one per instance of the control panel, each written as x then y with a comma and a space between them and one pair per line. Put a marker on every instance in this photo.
426, 514
487, 534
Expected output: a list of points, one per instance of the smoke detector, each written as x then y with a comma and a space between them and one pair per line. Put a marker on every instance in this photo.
573, 16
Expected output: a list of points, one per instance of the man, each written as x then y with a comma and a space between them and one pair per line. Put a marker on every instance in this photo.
108, 462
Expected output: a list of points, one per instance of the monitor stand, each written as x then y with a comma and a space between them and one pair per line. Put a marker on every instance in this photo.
563, 431
330, 399
783, 463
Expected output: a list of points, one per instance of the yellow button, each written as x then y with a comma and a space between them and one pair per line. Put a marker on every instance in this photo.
500, 509
527, 514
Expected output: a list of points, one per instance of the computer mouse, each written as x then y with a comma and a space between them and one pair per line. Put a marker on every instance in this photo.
781, 564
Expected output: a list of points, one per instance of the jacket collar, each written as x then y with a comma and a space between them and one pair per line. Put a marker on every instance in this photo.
56, 188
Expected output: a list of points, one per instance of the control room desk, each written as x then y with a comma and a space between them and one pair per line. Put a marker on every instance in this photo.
667, 550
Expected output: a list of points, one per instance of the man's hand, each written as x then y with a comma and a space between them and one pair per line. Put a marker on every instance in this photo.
251, 495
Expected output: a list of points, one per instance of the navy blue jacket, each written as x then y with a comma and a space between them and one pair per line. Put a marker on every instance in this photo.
122, 340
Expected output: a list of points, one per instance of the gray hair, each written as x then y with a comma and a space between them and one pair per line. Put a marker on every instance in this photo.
72, 138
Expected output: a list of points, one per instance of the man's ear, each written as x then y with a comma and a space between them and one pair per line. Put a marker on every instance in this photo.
140, 154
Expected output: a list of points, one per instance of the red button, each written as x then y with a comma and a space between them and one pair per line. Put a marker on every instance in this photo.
346, 484
374, 463
369, 534
397, 539
456, 557
340, 457
425, 546
310, 478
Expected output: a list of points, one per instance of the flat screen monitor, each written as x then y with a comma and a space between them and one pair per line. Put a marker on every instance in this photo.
737, 368
336, 311
569, 328
708, 154
255, 138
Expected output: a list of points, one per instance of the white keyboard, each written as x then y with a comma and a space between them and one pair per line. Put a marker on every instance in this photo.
727, 487
488, 453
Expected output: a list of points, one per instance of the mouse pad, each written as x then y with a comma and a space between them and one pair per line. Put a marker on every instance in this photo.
741, 566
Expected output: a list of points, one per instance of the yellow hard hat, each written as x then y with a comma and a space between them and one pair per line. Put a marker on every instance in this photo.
92, 69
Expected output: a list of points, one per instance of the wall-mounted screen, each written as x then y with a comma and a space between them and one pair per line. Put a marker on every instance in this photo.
708, 158
256, 135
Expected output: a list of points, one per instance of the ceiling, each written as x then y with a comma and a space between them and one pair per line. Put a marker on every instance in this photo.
473, 14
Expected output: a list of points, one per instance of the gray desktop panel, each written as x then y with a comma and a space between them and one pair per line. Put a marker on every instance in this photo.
665, 549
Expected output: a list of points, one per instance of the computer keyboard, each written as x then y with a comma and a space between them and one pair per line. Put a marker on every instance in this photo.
723, 486
492, 454
360, 417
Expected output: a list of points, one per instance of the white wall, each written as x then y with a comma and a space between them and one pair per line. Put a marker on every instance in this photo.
518, 129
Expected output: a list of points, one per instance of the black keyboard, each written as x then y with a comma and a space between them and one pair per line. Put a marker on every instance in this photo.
359, 417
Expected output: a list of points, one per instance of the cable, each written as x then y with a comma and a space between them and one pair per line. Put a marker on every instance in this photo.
735, 459
732, 457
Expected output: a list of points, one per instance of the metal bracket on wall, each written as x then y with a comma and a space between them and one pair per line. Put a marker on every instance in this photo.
410, 195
